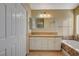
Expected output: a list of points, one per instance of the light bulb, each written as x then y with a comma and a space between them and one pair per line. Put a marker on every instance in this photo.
45, 16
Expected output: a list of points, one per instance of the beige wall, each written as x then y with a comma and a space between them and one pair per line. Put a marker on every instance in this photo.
68, 24
76, 12
63, 21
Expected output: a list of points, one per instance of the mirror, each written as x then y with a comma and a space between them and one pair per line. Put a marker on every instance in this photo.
39, 23
45, 25
42, 23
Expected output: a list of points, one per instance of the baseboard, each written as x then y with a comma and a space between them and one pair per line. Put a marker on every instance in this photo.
45, 50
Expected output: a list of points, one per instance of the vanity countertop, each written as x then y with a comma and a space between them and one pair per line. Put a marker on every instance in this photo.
45, 36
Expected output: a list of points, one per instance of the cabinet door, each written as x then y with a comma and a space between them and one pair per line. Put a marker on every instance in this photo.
57, 43
44, 42
38, 44
35, 44
51, 44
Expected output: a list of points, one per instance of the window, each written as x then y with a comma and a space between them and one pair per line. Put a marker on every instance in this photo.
77, 24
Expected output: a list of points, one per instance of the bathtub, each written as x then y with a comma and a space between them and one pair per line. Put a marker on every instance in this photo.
72, 44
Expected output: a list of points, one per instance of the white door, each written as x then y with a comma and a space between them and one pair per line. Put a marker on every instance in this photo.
12, 30
20, 30
2, 30
7, 30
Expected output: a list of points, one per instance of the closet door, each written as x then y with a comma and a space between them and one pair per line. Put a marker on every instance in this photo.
20, 30
2, 30
23, 30
10, 29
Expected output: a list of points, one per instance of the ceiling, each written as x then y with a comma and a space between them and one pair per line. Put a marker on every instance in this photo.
38, 6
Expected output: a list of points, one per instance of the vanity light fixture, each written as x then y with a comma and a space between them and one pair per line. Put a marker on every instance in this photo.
44, 15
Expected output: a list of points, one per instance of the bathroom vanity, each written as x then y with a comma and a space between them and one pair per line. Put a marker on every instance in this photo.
45, 42
46, 34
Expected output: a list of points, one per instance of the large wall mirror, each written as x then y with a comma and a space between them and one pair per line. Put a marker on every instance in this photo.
42, 23
46, 25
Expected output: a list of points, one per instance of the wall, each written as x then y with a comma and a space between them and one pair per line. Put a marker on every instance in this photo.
68, 24
76, 12
63, 21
